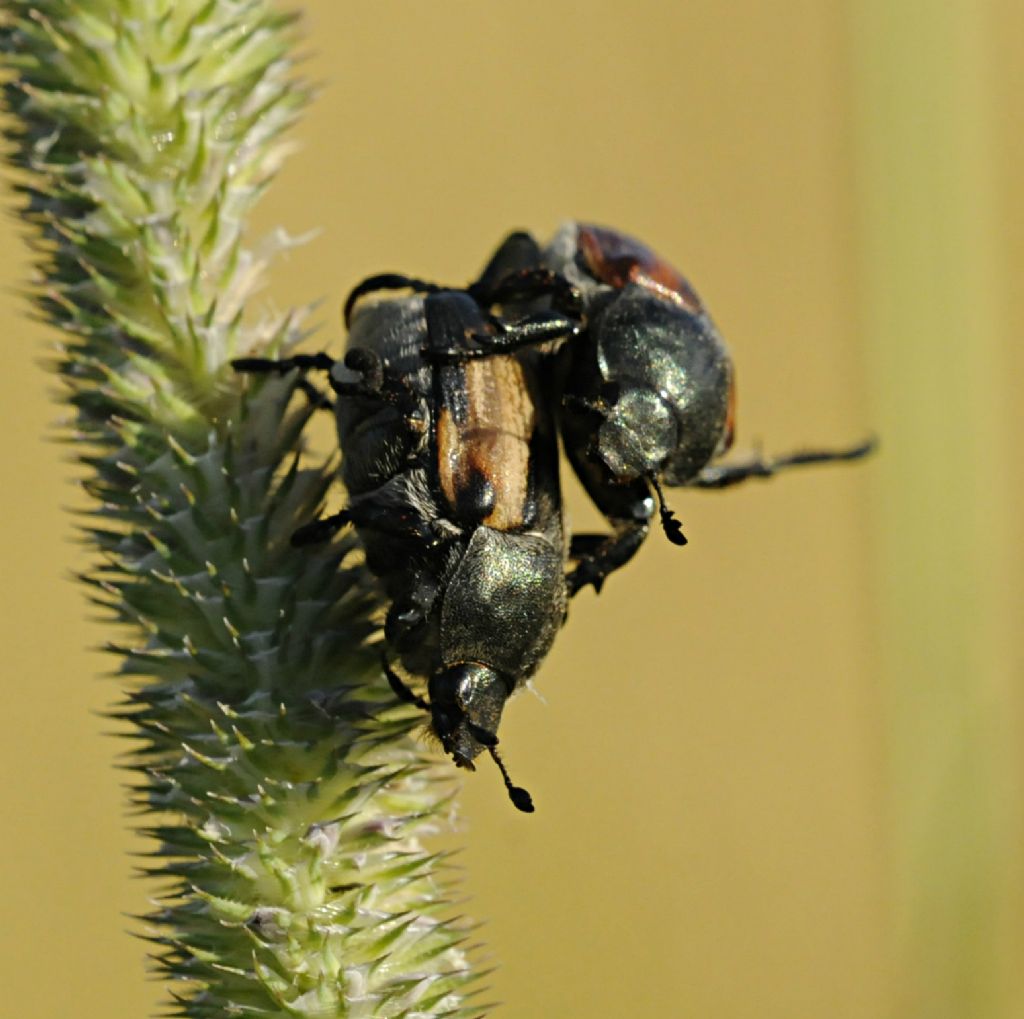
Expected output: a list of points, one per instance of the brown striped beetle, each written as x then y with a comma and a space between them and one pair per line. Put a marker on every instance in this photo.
451, 468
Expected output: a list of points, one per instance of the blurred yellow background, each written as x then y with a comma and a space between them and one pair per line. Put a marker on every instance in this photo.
778, 773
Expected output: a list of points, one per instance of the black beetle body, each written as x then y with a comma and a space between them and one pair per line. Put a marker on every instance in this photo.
454, 490
648, 387
650, 359
451, 467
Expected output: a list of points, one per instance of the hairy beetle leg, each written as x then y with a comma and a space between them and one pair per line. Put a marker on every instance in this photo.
599, 555
527, 285
518, 252
283, 365
583, 546
396, 519
759, 467
380, 383
386, 281
376, 381
399, 688
321, 530
320, 401
542, 327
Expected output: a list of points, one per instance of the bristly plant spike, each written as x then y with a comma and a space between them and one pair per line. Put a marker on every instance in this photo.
277, 775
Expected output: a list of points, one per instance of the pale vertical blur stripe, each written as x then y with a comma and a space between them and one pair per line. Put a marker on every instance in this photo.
935, 322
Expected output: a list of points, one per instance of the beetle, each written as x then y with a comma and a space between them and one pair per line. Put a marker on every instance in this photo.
451, 468
646, 386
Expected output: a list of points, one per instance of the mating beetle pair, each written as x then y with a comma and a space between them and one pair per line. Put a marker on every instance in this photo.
451, 468
449, 403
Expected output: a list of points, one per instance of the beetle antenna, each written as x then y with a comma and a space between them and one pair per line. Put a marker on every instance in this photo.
520, 798
669, 522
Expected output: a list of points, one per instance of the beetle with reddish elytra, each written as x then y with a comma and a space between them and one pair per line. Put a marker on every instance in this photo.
648, 392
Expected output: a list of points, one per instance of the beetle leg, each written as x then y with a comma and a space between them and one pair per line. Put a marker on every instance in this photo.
386, 281
541, 327
517, 252
401, 691
394, 517
283, 365
528, 285
378, 382
759, 467
582, 546
321, 401
603, 554
320, 530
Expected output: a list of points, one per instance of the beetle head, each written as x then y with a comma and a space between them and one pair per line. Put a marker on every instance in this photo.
670, 379
466, 701
648, 434
638, 434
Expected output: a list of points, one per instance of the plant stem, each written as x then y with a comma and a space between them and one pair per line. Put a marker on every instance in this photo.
276, 774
